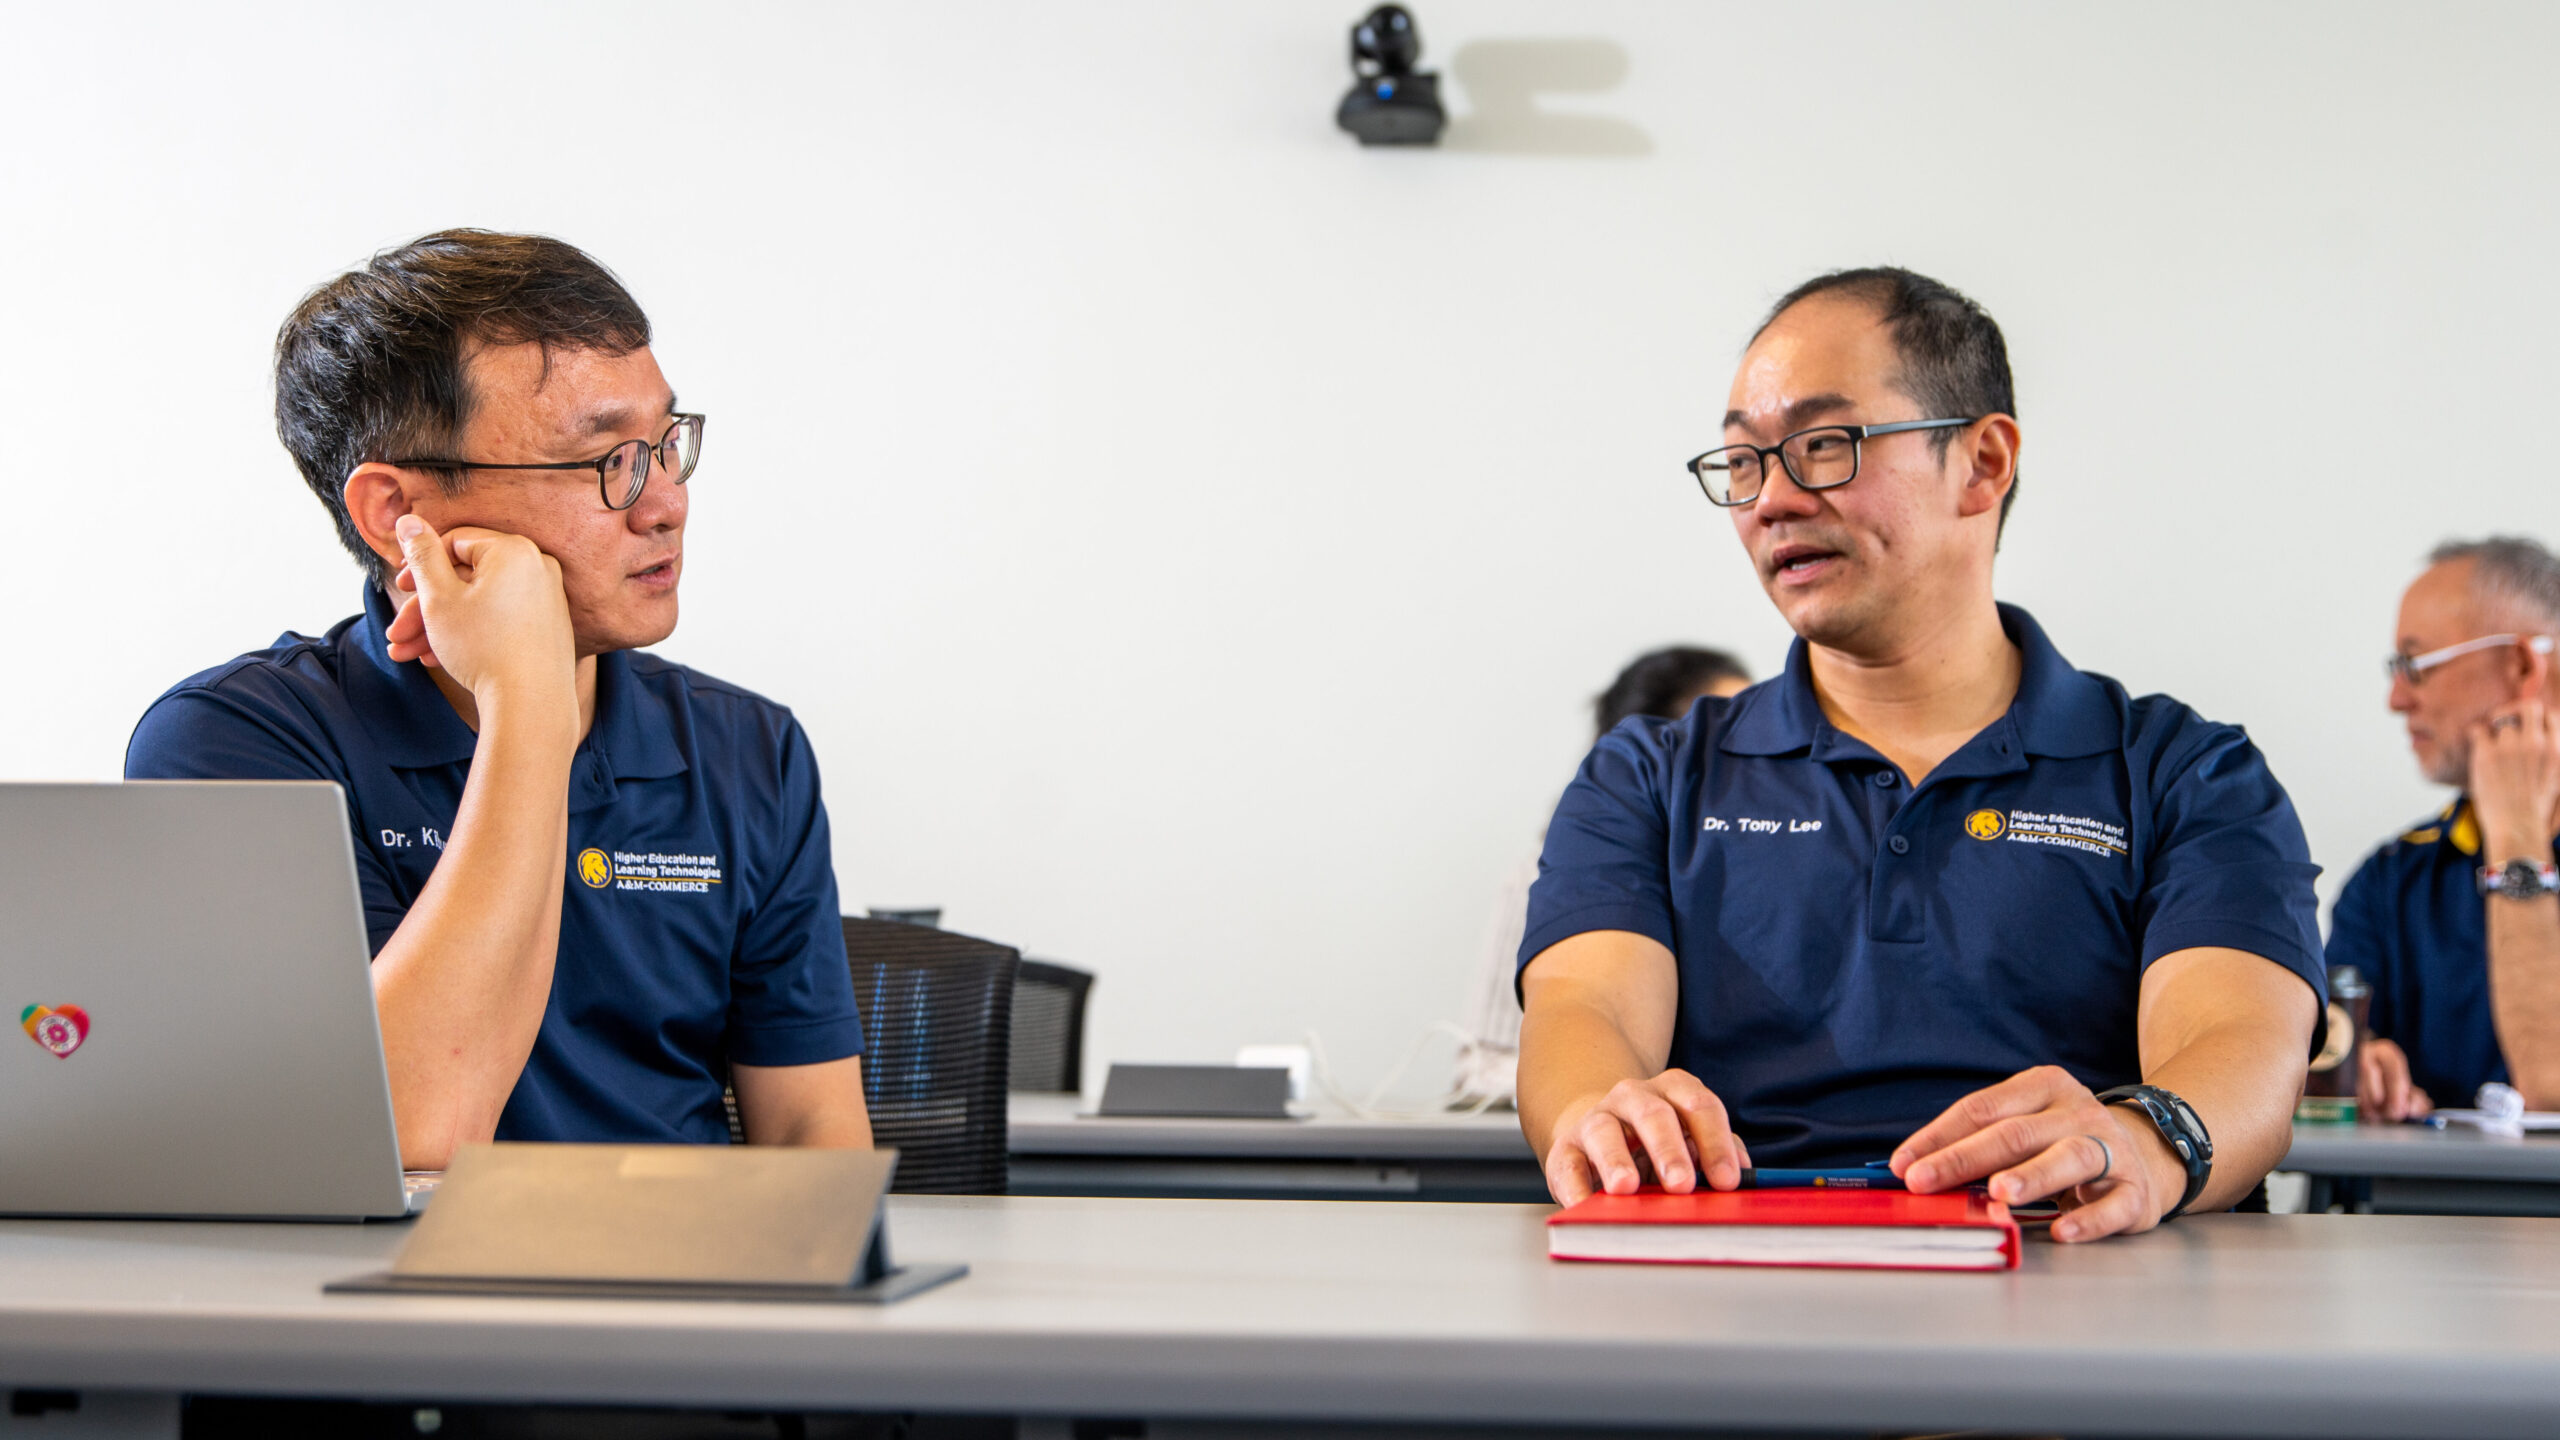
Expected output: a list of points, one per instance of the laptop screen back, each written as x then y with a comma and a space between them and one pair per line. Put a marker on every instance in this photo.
190, 1031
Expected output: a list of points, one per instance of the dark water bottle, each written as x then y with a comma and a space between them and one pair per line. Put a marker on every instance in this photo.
2329, 1092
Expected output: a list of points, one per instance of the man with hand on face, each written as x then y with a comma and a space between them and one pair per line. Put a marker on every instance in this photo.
596, 882
2457, 922
1931, 896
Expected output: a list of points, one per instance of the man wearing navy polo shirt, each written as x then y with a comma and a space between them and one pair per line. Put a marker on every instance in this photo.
2457, 922
596, 882
1931, 897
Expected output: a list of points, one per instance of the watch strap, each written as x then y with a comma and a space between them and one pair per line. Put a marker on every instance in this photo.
2180, 1126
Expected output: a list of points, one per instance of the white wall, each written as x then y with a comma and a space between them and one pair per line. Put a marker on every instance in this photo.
1192, 540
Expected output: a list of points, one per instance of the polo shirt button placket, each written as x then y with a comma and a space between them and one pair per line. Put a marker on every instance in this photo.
1898, 845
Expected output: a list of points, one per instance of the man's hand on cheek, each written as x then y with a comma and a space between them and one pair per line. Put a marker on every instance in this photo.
487, 608
2043, 1134
2515, 777
406, 637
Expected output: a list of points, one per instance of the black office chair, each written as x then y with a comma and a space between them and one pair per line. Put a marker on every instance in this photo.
1048, 1027
937, 1021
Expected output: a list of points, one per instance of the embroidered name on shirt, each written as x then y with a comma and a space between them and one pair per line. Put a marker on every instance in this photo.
1749, 826
2036, 827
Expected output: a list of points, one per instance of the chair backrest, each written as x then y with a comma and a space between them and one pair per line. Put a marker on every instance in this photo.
937, 1020
1048, 1027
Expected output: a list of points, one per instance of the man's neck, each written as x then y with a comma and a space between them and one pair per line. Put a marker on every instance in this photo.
463, 705
1918, 698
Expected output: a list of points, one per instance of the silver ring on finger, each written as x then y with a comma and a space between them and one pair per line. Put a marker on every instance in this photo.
2505, 722
2106, 1161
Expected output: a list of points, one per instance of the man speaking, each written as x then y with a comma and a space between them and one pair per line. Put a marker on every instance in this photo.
1931, 896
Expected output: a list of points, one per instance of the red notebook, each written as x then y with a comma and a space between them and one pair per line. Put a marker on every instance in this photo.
1861, 1229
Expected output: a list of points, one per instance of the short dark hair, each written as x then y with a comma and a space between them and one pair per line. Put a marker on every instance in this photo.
1954, 361
371, 365
1658, 680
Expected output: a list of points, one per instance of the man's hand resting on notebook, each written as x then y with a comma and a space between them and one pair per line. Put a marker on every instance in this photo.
1679, 1132
1598, 1101
2043, 1134
2223, 1029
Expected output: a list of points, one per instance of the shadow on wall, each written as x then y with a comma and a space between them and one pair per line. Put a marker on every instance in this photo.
1503, 80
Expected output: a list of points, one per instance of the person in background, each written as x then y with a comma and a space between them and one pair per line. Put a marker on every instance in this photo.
597, 884
1934, 897
2456, 924
1660, 683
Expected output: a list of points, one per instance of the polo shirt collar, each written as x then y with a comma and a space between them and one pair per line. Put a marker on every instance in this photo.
633, 738
635, 729
2059, 711
403, 711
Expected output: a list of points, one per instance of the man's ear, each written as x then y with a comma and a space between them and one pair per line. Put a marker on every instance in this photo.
1988, 452
376, 496
2533, 678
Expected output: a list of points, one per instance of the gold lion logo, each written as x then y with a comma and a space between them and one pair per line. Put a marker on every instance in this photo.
1985, 824
595, 867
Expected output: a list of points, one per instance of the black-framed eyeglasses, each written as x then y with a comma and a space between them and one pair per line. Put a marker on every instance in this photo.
1822, 458
621, 472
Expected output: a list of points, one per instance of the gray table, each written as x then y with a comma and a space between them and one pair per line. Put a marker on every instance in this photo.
1188, 1313
1058, 1149
2411, 1169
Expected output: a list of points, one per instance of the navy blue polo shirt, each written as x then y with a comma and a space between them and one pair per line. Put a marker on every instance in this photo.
2413, 920
698, 918
1855, 954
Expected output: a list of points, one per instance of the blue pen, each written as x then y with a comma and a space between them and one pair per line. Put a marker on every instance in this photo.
1874, 1175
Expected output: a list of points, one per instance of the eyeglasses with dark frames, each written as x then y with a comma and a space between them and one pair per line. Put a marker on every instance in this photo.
622, 472
1822, 458
2411, 670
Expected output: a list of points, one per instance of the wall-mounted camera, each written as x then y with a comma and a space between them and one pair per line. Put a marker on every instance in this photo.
1391, 103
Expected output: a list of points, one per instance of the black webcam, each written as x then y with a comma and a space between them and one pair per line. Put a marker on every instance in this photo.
1391, 103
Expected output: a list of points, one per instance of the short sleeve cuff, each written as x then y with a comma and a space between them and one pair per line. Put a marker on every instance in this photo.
1645, 920
2273, 946
813, 1043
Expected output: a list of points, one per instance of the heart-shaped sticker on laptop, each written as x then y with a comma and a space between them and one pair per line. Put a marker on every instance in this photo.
58, 1028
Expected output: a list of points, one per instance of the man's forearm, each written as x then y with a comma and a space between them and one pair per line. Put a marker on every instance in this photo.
2245, 1101
2524, 980
462, 985
819, 1105
1569, 1052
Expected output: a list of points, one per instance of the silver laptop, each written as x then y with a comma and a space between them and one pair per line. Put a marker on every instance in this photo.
186, 1009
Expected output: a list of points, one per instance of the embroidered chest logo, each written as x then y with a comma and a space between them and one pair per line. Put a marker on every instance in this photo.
659, 871
2038, 827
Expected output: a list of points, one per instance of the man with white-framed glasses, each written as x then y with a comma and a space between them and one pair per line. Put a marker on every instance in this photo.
2456, 923
1932, 898
598, 885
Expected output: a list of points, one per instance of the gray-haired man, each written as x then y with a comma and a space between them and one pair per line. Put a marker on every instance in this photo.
2457, 921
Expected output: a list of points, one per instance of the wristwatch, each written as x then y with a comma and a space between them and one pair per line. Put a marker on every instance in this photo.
2520, 879
2178, 1124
